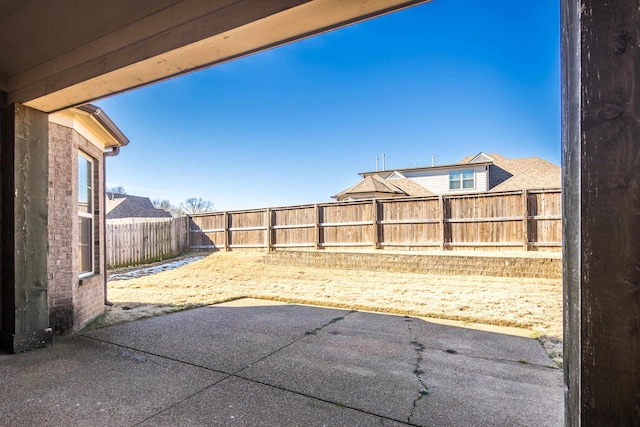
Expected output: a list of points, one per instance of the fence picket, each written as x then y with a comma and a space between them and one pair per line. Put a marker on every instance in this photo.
137, 241
528, 220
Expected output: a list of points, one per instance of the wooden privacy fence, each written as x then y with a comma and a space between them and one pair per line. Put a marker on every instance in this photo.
136, 241
522, 220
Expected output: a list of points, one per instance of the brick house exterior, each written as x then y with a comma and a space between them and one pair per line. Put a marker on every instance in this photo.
74, 298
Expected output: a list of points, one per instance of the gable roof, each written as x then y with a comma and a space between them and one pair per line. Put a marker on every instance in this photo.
373, 184
126, 206
480, 158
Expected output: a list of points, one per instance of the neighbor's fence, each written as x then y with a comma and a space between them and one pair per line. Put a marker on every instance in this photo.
137, 241
523, 220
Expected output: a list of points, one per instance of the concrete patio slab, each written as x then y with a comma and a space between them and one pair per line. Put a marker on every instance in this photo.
379, 364
82, 382
239, 402
472, 342
223, 338
255, 363
362, 373
464, 390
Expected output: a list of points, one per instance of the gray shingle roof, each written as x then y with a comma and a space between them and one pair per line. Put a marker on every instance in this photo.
519, 174
375, 185
126, 206
410, 188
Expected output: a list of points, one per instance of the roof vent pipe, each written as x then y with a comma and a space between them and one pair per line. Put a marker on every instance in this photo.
433, 160
383, 168
377, 160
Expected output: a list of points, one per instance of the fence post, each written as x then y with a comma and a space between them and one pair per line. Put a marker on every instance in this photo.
225, 225
441, 222
376, 228
317, 226
525, 220
268, 242
184, 234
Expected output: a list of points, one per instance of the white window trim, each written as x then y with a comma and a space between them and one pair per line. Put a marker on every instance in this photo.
89, 215
461, 172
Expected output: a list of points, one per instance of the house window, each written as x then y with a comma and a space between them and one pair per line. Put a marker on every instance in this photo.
85, 214
462, 180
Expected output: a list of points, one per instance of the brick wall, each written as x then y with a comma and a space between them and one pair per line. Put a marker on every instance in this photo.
72, 301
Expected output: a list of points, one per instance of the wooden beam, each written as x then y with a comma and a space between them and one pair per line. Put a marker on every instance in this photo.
181, 37
601, 211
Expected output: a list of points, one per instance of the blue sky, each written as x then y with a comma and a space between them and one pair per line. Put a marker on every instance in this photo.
296, 124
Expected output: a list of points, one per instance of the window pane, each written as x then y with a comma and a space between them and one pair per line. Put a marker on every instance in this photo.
468, 180
85, 214
84, 247
84, 184
454, 180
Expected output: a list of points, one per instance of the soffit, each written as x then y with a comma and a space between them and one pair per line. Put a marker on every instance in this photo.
53, 57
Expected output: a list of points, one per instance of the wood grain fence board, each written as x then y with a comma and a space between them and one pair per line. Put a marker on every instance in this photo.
140, 240
529, 219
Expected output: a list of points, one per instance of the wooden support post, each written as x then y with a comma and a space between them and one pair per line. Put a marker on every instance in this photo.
441, 222
525, 220
317, 226
269, 237
225, 225
24, 174
375, 234
601, 221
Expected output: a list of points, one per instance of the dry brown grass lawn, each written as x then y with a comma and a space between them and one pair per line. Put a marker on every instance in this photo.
535, 304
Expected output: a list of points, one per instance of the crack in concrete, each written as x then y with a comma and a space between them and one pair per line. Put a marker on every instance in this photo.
331, 322
419, 373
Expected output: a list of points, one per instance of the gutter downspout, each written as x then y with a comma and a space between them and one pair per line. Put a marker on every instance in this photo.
114, 152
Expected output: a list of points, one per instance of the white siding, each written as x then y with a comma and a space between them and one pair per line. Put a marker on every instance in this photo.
438, 180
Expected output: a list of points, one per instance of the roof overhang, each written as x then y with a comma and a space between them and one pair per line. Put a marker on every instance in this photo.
54, 57
92, 123
426, 168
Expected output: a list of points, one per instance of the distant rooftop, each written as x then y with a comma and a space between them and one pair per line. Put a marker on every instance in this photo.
119, 206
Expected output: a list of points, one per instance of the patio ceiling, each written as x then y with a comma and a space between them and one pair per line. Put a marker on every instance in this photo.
53, 57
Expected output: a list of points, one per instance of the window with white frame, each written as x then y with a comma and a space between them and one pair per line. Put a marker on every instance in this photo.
85, 214
462, 180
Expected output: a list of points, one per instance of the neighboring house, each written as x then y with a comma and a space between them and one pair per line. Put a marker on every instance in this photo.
80, 140
124, 206
474, 174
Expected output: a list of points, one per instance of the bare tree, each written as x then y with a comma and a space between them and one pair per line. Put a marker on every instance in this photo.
196, 205
162, 204
118, 189
166, 205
